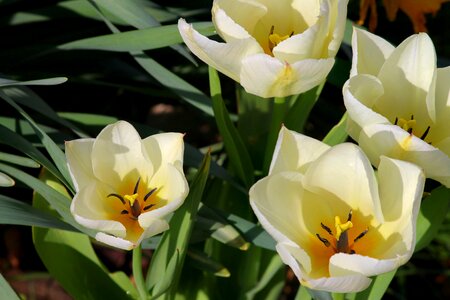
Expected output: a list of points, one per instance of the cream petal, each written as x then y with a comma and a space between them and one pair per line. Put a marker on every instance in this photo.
231, 19
114, 241
165, 148
407, 77
338, 14
309, 10
79, 161
369, 52
152, 226
392, 141
294, 151
225, 57
89, 208
340, 284
342, 264
266, 76
360, 93
118, 153
280, 216
345, 171
295, 257
441, 129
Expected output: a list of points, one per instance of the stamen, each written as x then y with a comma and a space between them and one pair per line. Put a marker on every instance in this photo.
349, 218
136, 186
361, 235
135, 209
323, 240
410, 130
341, 228
148, 206
124, 212
149, 194
396, 121
117, 196
131, 198
424, 135
327, 229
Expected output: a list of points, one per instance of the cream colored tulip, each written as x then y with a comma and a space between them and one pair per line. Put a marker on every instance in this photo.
335, 222
273, 48
398, 102
126, 187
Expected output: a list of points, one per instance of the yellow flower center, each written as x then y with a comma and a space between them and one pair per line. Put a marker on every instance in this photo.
133, 205
275, 38
340, 238
410, 126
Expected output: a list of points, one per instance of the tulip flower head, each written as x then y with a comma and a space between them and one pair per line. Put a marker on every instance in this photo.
273, 48
126, 187
398, 102
334, 221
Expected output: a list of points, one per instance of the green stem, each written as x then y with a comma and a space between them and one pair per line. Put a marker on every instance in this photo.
137, 273
278, 114
338, 296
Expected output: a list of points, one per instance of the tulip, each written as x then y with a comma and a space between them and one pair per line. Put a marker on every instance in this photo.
334, 221
126, 187
273, 48
398, 102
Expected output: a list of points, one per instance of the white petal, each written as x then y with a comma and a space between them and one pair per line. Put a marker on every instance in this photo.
152, 226
369, 52
118, 153
344, 264
344, 171
79, 161
266, 76
337, 25
114, 241
441, 129
225, 57
407, 77
294, 151
231, 19
340, 284
392, 141
165, 148
309, 10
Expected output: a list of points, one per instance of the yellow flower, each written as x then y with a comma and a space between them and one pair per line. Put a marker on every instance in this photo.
398, 102
335, 222
273, 48
126, 187
414, 9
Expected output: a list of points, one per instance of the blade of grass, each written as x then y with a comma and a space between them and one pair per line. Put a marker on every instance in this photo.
6, 292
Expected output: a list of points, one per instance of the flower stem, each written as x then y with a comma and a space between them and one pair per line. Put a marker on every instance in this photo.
278, 114
137, 273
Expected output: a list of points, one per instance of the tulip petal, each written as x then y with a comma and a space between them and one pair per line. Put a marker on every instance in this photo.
266, 76
118, 153
369, 52
231, 19
407, 78
392, 141
340, 284
225, 57
295, 257
441, 128
294, 152
114, 241
79, 154
165, 148
344, 171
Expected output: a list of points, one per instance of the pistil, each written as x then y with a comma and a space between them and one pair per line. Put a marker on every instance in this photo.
408, 125
275, 38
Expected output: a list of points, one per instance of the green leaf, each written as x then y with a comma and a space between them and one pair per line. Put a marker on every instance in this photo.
433, 211
18, 160
377, 287
302, 294
47, 81
6, 292
202, 261
137, 40
236, 150
175, 240
18, 213
338, 133
70, 258
275, 265
6, 181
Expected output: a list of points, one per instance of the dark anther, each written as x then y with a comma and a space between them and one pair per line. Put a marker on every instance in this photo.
361, 235
272, 29
412, 117
323, 240
124, 212
118, 197
292, 33
349, 218
149, 194
396, 121
352, 251
327, 229
424, 135
136, 186
148, 206
410, 130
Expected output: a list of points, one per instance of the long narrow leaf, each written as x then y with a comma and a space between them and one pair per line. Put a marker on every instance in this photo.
377, 288
337, 134
18, 160
6, 292
236, 150
47, 81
